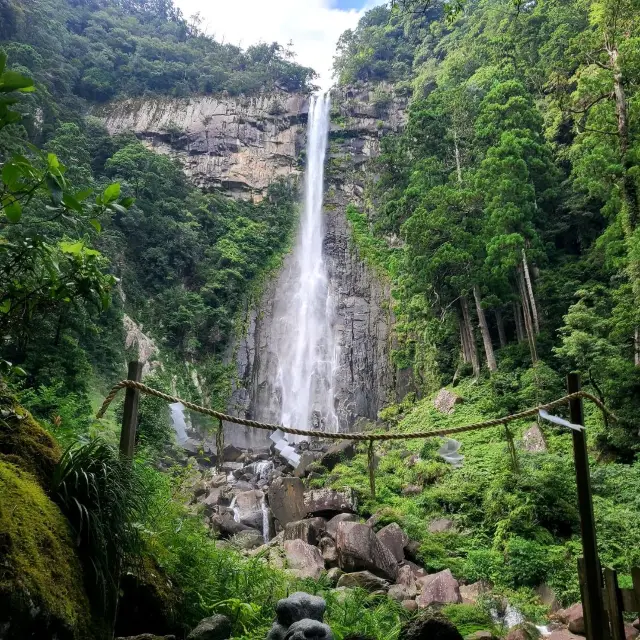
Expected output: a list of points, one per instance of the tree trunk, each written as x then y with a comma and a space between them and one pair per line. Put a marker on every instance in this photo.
466, 357
526, 314
636, 347
502, 336
457, 154
517, 315
473, 352
532, 299
484, 330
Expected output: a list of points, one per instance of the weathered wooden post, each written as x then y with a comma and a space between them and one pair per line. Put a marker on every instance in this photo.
591, 581
130, 415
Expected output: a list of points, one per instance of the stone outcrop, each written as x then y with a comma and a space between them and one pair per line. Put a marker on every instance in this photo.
533, 439
573, 617
330, 501
286, 499
215, 628
300, 617
236, 144
363, 580
446, 401
395, 539
359, 549
309, 530
438, 589
304, 560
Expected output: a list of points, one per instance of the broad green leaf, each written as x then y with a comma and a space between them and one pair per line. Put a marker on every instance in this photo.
111, 193
54, 189
5, 306
13, 211
12, 81
95, 224
11, 173
117, 207
71, 248
83, 195
19, 371
127, 202
52, 161
71, 203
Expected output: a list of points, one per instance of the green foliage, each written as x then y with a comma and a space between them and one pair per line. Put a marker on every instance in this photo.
41, 580
102, 497
468, 618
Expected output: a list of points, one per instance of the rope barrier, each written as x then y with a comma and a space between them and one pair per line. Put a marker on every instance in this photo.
361, 437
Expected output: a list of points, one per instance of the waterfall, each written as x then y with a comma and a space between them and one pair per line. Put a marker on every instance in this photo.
179, 422
265, 519
305, 348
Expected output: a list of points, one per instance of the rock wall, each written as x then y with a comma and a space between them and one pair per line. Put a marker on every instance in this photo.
366, 378
239, 145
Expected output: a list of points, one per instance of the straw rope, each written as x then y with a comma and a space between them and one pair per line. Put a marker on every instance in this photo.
362, 437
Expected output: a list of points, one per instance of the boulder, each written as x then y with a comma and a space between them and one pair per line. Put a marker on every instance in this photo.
249, 508
548, 597
333, 575
330, 501
309, 530
573, 617
286, 500
395, 539
359, 549
339, 452
471, 592
231, 453
300, 606
363, 580
406, 577
218, 481
401, 593
214, 628
533, 440
431, 625
416, 570
636, 623
523, 631
247, 540
309, 630
304, 560
438, 589
442, 525
563, 634
329, 551
446, 401
332, 525
412, 490
307, 459
630, 632
225, 526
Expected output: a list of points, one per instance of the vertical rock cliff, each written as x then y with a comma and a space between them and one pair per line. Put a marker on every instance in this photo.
239, 146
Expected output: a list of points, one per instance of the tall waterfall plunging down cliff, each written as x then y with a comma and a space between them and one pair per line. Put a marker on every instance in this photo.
305, 345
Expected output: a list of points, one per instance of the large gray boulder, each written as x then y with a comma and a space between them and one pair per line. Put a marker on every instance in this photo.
329, 551
359, 549
225, 526
249, 508
332, 525
214, 628
308, 630
339, 452
533, 439
363, 580
438, 589
304, 560
395, 539
247, 540
330, 501
309, 530
299, 617
446, 401
442, 525
286, 499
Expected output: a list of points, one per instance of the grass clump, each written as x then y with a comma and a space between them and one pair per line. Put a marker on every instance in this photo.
41, 592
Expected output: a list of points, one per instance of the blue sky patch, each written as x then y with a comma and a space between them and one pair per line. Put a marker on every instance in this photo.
345, 5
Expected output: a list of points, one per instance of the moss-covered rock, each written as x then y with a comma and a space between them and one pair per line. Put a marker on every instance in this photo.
24, 443
41, 592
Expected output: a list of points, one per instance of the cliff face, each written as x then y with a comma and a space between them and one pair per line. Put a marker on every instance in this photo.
240, 145
366, 378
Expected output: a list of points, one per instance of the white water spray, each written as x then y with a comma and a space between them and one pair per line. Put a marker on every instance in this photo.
306, 349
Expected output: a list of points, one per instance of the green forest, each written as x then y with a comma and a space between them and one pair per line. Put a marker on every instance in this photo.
504, 216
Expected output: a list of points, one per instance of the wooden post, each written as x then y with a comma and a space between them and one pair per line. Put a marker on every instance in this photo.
594, 616
614, 604
130, 415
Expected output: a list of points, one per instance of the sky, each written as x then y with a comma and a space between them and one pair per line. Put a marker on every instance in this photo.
313, 26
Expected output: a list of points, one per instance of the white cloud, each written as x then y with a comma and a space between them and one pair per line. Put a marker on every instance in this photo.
313, 26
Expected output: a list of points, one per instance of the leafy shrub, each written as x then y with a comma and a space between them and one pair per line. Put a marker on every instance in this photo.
468, 618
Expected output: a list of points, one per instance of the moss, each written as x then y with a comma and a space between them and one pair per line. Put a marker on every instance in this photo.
24, 443
468, 618
41, 592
